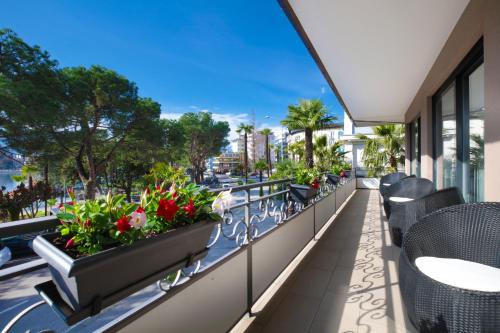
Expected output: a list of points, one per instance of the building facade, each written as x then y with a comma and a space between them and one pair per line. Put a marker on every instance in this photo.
256, 147
440, 78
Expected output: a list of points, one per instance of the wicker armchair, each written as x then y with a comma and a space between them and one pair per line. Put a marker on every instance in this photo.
405, 214
409, 187
390, 179
467, 232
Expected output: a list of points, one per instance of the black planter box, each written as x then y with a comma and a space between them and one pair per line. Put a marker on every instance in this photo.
332, 179
84, 282
302, 193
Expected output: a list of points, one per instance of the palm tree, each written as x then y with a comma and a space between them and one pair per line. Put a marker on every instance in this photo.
308, 115
267, 132
386, 151
296, 149
245, 129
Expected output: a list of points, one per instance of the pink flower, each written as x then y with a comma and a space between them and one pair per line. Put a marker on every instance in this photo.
70, 243
190, 208
167, 209
123, 224
138, 218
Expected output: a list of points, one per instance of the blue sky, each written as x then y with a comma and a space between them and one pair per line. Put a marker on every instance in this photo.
228, 57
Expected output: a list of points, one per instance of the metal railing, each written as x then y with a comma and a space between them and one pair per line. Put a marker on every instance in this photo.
250, 218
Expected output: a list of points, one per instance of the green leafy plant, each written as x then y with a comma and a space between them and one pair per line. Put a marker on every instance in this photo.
307, 176
308, 115
384, 152
94, 225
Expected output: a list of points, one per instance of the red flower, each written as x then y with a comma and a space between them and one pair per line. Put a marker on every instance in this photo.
315, 184
70, 243
190, 209
342, 173
88, 223
71, 203
139, 210
148, 190
123, 224
167, 209
158, 188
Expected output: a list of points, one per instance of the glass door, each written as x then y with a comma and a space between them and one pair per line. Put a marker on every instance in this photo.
475, 166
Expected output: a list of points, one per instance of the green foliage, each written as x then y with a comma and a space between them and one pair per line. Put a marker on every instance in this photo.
94, 225
384, 152
308, 115
327, 156
260, 165
167, 174
285, 169
306, 176
245, 130
204, 137
297, 149
20, 200
79, 114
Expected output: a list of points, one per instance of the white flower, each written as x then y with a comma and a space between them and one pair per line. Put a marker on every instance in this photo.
222, 202
138, 219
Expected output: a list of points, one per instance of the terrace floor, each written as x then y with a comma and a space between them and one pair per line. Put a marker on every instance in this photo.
347, 283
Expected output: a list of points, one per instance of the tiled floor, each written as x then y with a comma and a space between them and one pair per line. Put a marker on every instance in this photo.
347, 283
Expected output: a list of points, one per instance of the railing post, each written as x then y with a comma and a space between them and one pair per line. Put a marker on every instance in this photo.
249, 254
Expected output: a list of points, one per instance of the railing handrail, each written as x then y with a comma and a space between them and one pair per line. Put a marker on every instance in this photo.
14, 228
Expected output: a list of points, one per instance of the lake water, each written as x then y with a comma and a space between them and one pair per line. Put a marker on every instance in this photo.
6, 178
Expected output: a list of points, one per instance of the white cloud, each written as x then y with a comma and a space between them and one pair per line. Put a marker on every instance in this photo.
234, 121
171, 115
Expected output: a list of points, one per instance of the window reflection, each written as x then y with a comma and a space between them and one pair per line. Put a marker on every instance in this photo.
449, 137
476, 135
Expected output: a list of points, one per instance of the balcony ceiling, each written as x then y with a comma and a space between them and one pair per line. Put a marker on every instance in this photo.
375, 54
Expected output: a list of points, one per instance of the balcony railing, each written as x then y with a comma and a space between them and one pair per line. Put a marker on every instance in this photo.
261, 233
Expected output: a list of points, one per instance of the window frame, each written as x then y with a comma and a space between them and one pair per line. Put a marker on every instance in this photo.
459, 77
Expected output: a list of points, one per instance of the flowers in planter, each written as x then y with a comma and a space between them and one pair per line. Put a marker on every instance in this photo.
95, 225
308, 176
222, 202
341, 168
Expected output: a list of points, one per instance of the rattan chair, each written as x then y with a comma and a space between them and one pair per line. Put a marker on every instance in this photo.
405, 214
468, 232
390, 179
409, 187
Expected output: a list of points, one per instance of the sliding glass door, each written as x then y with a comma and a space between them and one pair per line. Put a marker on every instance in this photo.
458, 126
475, 114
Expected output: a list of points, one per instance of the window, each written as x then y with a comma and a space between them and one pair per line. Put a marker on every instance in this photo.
458, 128
415, 147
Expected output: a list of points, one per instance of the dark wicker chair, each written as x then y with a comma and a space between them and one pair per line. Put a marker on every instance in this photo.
409, 187
468, 232
405, 214
391, 178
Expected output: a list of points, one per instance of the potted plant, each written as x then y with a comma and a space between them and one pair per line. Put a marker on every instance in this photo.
341, 170
105, 246
306, 185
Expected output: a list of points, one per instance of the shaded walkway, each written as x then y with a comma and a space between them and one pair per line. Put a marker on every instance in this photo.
347, 283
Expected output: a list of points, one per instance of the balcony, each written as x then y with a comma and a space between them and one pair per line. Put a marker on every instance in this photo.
327, 267
347, 283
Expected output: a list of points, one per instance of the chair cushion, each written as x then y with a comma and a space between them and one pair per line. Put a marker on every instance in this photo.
386, 184
400, 199
460, 273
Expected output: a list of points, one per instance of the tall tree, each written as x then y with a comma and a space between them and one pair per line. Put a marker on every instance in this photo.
267, 132
204, 137
244, 130
308, 115
85, 113
141, 149
386, 151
